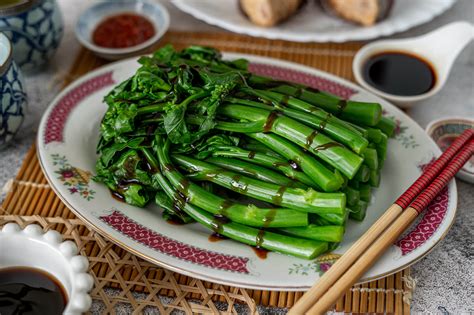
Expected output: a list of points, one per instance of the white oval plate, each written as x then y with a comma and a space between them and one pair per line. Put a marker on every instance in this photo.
67, 139
311, 24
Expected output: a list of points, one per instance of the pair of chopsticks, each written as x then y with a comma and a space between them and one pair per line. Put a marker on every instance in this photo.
385, 231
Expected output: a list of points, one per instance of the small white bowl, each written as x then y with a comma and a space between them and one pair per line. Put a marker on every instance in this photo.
443, 132
89, 19
439, 48
30, 247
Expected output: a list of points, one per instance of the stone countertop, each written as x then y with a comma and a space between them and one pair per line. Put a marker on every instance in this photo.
445, 277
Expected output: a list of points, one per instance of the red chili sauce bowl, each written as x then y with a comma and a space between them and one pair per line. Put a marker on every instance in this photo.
121, 28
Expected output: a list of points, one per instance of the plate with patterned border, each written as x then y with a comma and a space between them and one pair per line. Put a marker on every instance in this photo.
67, 138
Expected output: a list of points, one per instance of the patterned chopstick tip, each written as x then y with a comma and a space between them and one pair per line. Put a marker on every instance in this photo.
430, 173
443, 179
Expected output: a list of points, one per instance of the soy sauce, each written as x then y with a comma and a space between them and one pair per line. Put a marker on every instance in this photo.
260, 252
30, 291
399, 73
215, 237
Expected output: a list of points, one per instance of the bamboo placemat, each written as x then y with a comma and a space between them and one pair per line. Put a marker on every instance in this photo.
31, 200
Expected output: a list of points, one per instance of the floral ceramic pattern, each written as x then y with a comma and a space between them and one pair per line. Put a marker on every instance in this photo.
35, 33
76, 179
400, 134
170, 247
432, 217
319, 266
12, 100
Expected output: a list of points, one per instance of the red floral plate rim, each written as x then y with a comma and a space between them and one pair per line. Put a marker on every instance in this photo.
56, 117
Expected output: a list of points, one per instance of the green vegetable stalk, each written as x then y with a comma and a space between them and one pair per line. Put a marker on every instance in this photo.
309, 139
307, 249
358, 112
295, 198
246, 214
266, 163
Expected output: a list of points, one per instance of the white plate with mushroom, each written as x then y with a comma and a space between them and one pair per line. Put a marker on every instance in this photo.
340, 21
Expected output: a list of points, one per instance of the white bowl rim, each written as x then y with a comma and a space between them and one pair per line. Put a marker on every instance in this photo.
79, 300
123, 51
432, 125
446, 120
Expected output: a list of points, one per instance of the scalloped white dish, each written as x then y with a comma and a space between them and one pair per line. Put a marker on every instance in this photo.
311, 24
30, 247
66, 143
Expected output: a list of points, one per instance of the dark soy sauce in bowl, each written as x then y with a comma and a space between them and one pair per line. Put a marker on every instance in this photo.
399, 73
30, 291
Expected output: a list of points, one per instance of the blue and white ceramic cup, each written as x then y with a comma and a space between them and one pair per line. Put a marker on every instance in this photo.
12, 94
35, 28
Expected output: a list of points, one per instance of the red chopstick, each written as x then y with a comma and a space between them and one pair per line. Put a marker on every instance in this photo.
392, 213
377, 248
433, 170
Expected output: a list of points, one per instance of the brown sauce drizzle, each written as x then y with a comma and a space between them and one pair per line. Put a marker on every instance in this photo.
125, 182
226, 204
249, 171
310, 139
150, 168
215, 237
178, 202
314, 90
260, 252
129, 167
284, 101
259, 238
236, 178
270, 121
117, 196
299, 92
341, 105
321, 127
326, 146
252, 154
218, 223
181, 195
174, 222
184, 186
269, 217
169, 167
279, 196
220, 219
267, 220
324, 122
290, 163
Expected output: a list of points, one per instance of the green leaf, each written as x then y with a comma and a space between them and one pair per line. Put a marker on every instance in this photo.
136, 195
109, 152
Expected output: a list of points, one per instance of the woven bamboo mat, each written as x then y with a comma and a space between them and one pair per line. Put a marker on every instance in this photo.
31, 200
